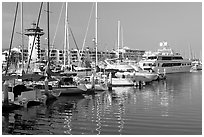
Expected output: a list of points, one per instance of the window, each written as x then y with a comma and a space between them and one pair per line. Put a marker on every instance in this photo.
177, 58
152, 57
170, 64
166, 58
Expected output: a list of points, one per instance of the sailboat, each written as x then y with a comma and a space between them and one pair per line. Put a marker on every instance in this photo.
68, 80
96, 82
128, 73
196, 65
23, 95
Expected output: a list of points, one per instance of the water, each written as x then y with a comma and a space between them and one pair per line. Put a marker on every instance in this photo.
167, 107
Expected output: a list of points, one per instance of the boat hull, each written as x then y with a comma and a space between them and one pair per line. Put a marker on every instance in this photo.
67, 90
97, 87
197, 67
175, 69
116, 82
138, 76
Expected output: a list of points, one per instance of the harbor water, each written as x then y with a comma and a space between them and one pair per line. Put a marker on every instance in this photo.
169, 107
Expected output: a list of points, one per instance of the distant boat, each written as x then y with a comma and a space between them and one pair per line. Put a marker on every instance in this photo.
197, 65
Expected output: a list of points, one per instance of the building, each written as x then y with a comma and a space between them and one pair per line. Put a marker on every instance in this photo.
32, 33
57, 55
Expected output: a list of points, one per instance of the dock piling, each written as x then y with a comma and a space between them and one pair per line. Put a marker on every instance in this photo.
110, 82
6, 90
46, 86
164, 74
140, 84
92, 81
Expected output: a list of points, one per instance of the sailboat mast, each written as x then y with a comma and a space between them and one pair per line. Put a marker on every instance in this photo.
11, 41
191, 55
96, 33
48, 34
65, 34
118, 38
67, 29
22, 36
122, 41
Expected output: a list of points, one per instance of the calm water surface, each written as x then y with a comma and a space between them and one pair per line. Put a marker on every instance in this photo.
167, 107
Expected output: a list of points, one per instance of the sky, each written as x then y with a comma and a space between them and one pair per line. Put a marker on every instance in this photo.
144, 24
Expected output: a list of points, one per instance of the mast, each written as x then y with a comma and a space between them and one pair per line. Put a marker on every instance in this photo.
11, 41
118, 38
96, 33
65, 34
22, 37
190, 52
48, 34
80, 55
122, 41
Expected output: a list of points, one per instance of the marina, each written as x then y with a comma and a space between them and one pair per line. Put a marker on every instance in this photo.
170, 107
92, 90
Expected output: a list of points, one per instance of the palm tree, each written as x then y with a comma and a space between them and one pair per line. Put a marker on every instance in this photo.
15, 58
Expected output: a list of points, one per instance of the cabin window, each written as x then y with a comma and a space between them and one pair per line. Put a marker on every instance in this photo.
147, 64
177, 58
166, 65
152, 57
170, 64
166, 58
154, 64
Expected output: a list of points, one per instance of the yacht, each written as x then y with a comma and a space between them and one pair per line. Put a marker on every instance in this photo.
197, 65
132, 73
165, 60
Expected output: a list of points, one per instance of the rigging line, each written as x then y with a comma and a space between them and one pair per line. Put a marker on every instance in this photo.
35, 35
57, 26
48, 34
87, 30
78, 54
74, 38
14, 24
22, 38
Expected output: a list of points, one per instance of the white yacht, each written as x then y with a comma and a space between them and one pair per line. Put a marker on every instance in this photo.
165, 60
197, 65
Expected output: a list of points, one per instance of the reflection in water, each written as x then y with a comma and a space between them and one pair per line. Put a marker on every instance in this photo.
21, 121
98, 114
153, 109
67, 123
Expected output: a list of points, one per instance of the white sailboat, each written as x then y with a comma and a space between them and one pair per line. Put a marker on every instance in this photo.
127, 74
67, 83
24, 95
96, 83
196, 65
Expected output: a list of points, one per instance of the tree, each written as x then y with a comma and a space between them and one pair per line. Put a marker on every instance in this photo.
15, 58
